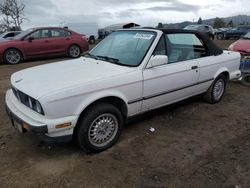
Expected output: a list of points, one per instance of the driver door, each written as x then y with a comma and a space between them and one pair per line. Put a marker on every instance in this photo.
176, 80
38, 43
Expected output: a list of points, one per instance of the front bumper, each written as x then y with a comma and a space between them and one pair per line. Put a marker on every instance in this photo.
38, 124
42, 129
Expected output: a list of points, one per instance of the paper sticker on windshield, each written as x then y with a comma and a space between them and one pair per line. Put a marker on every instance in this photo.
143, 36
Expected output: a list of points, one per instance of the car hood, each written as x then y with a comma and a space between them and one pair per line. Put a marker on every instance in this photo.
242, 45
42, 80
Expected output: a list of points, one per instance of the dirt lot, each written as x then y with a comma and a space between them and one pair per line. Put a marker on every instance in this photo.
195, 145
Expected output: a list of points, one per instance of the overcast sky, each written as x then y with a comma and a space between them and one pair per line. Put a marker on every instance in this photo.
144, 12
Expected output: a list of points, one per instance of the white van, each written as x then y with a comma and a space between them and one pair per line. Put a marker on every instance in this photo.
89, 29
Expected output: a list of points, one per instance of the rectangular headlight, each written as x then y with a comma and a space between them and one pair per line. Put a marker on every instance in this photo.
28, 101
39, 108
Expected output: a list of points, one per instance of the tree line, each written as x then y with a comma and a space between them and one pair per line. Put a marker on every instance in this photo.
220, 23
12, 15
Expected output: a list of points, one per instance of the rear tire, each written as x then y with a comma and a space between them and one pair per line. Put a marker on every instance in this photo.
74, 51
12, 56
216, 91
246, 79
220, 36
100, 128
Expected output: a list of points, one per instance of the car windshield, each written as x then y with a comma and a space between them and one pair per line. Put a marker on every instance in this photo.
247, 36
127, 48
23, 33
2, 34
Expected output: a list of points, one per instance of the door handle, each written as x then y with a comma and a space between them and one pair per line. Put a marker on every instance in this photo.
67, 38
194, 67
46, 41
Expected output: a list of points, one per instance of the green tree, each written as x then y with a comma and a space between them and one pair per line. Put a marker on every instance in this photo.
218, 23
160, 25
12, 12
230, 24
199, 21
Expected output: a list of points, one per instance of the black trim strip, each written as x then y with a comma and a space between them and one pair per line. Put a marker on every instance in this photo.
135, 100
167, 92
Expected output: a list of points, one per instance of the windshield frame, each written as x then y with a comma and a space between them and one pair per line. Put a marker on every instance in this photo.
130, 30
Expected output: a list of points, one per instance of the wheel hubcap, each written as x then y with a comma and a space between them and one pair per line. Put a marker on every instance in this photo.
13, 56
218, 90
103, 130
74, 51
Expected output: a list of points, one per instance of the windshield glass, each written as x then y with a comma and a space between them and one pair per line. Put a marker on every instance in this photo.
247, 36
126, 48
23, 33
2, 35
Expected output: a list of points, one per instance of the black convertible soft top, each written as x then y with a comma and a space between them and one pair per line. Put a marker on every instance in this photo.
212, 48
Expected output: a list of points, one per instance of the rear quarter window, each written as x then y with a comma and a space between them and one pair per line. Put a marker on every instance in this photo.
184, 46
184, 39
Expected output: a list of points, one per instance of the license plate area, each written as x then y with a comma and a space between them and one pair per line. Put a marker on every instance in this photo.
20, 126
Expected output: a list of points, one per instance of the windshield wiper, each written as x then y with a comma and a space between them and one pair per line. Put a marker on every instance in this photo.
110, 59
113, 60
91, 56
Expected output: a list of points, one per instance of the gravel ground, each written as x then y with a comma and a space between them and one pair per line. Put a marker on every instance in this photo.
195, 145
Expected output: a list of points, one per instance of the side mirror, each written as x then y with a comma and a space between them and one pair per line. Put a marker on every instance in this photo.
30, 39
157, 60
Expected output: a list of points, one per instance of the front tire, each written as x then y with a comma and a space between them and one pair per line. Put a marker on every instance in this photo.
100, 128
211, 37
12, 56
74, 51
216, 91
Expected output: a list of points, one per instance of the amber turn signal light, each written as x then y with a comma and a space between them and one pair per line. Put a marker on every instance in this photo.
64, 125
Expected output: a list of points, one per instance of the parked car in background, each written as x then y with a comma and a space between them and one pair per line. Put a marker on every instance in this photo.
234, 33
43, 41
128, 73
102, 33
9, 34
243, 46
219, 32
88, 29
202, 28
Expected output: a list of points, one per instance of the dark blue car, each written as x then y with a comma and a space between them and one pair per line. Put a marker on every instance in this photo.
235, 33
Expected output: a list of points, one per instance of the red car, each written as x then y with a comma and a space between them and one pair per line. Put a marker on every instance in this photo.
44, 41
242, 45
